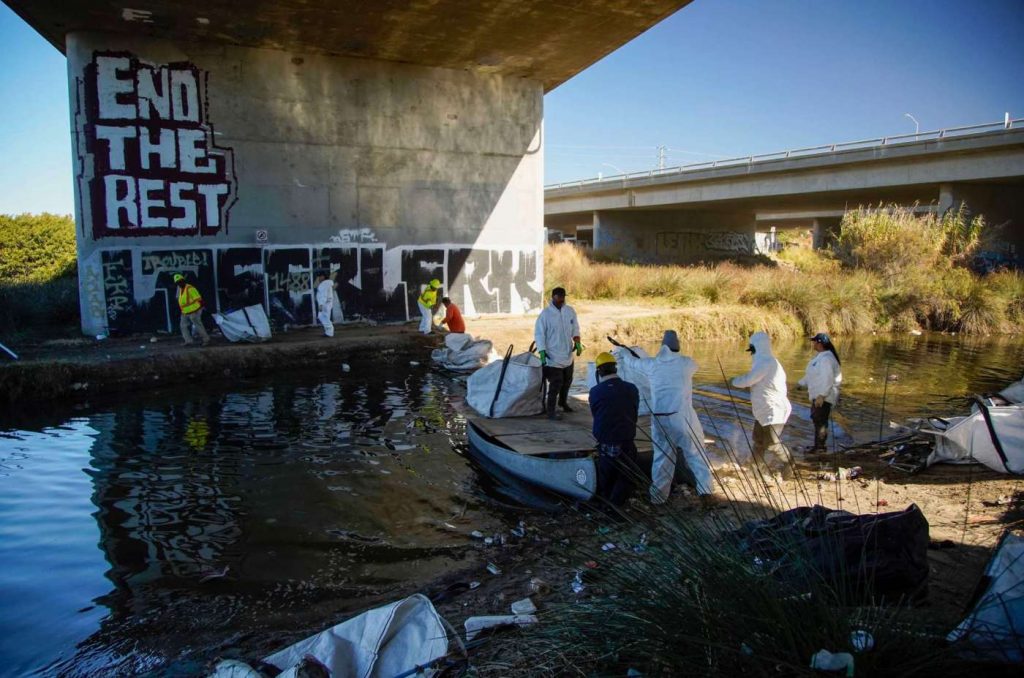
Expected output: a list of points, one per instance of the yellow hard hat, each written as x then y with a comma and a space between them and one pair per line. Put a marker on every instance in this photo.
604, 359
178, 277
435, 283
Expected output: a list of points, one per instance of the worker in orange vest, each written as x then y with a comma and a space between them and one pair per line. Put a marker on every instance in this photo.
191, 304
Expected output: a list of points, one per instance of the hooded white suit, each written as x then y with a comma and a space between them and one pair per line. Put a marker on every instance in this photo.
767, 383
676, 424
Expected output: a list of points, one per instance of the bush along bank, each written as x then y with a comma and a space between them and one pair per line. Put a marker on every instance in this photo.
890, 270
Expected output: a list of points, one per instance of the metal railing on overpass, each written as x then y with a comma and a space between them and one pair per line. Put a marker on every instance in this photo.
810, 151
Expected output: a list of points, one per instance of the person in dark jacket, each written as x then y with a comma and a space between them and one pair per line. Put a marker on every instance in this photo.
614, 404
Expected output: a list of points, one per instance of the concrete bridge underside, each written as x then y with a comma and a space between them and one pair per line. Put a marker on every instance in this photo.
722, 211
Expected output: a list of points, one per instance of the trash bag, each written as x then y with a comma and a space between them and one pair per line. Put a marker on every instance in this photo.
245, 324
994, 628
462, 353
870, 556
512, 387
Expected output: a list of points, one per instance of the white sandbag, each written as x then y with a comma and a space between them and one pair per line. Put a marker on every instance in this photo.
517, 394
462, 353
380, 643
246, 324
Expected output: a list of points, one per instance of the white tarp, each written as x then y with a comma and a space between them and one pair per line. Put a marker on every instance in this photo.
970, 437
381, 643
1014, 393
246, 324
634, 377
462, 353
994, 629
517, 394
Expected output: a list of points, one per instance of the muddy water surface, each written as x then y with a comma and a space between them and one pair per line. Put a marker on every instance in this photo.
164, 531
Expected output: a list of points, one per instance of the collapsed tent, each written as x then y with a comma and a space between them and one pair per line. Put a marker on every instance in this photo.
512, 387
994, 628
463, 353
245, 324
385, 642
873, 555
993, 436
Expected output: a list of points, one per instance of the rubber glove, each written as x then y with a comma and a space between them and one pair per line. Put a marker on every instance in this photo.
543, 358
579, 349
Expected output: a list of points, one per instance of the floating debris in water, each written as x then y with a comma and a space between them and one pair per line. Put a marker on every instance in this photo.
608, 547
474, 585
215, 575
577, 583
493, 569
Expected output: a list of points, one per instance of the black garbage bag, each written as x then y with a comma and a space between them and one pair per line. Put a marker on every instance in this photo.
877, 556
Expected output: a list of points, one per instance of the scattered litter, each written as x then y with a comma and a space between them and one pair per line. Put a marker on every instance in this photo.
632, 673
413, 363
474, 625
524, 606
474, 585
1003, 500
608, 547
882, 502
493, 569
519, 531
152, 340
641, 546
539, 586
488, 541
862, 641
215, 575
842, 474
476, 534
345, 367
823, 660
100, 337
603, 530
450, 526
591, 564
577, 583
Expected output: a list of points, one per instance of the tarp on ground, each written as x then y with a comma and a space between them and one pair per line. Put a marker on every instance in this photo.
872, 555
993, 436
512, 387
384, 642
245, 324
994, 628
463, 353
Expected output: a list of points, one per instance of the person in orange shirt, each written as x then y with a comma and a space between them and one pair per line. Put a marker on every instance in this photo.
452, 316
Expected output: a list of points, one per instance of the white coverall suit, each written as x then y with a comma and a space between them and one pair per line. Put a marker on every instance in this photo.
324, 304
768, 401
671, 378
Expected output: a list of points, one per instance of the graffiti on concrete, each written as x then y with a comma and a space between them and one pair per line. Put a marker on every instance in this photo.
373, 282
156, 169
669, 243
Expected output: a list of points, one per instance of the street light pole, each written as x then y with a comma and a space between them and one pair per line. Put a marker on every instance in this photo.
917, 127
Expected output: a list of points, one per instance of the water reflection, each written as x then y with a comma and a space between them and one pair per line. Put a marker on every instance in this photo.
269, 508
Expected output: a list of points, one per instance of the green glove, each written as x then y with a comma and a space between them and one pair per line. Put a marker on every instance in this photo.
579, 349
543, 358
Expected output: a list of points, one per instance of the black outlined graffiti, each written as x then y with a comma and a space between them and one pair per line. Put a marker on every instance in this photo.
289, 283
156, 167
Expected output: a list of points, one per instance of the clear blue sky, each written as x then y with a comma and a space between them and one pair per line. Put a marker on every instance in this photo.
719, 78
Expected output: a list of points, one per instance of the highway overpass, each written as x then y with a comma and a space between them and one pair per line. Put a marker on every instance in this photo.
733, 206
249, 145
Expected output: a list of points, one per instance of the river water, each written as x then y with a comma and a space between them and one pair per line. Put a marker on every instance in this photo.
166, 530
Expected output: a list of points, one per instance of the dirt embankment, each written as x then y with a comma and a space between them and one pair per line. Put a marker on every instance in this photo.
69, 370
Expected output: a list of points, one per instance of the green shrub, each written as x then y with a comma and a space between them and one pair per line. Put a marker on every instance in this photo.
36, 247
24, 305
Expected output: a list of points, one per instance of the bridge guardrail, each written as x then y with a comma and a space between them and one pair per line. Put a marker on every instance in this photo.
809, 151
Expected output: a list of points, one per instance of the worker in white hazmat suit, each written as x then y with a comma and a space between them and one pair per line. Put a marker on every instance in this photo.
822, 379
767, 383
325, 302
675, 427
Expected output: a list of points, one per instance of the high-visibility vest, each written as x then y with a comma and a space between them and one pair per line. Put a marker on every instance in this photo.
189, 299
429, 297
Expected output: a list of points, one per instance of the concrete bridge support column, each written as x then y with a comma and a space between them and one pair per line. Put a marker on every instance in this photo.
247, 170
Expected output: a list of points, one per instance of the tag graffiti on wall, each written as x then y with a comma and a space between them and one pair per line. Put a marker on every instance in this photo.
156, 167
